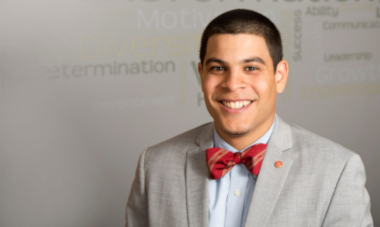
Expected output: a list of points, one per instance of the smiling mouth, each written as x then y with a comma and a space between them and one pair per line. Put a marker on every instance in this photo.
237, 104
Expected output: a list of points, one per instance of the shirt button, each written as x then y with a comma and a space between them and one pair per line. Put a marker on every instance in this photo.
236, 192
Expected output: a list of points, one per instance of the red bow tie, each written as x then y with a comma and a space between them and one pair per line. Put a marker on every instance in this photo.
220, 161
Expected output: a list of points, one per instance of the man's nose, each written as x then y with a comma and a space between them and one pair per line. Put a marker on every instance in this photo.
234, 80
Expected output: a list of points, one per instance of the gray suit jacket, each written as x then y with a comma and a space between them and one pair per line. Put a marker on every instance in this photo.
320, 183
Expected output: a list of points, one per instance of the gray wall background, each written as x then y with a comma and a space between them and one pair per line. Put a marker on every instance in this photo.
74, 120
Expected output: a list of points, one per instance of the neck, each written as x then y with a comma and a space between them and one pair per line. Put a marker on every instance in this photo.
240, 142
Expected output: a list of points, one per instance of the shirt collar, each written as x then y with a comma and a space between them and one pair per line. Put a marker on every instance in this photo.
219, 142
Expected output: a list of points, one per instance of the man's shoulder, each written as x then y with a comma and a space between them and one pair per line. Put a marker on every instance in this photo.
318, 146
184, 141
174, 149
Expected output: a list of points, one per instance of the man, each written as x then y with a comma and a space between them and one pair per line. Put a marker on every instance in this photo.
211, 175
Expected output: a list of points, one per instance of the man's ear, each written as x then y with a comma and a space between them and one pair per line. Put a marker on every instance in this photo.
281, 75
200, 69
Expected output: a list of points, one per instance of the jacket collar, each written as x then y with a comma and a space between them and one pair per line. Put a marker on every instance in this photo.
271, 180
197, 177
268, 186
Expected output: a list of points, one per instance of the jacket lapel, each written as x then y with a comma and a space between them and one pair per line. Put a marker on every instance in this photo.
271, 180
197, 177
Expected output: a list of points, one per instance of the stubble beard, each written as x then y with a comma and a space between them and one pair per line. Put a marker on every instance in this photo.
234, 133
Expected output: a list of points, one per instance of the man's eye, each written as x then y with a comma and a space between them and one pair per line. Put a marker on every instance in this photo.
217, 68
250, 68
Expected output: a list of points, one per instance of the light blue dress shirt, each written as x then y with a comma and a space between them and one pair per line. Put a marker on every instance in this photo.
230, 196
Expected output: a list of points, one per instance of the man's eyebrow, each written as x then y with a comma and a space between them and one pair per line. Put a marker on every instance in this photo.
254, 59
217, 60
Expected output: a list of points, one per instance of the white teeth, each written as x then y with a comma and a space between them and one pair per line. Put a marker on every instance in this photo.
236, 105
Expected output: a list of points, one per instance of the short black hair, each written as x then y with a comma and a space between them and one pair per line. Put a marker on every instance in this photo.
243, 21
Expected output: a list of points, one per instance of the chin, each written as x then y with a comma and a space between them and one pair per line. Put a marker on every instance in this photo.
234, 132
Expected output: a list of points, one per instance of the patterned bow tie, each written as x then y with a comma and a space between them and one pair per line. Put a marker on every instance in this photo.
220, 161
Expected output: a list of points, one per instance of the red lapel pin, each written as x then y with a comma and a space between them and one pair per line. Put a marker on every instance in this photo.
278, 164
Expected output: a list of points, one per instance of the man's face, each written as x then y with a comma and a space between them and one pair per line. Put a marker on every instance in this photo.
240, 85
